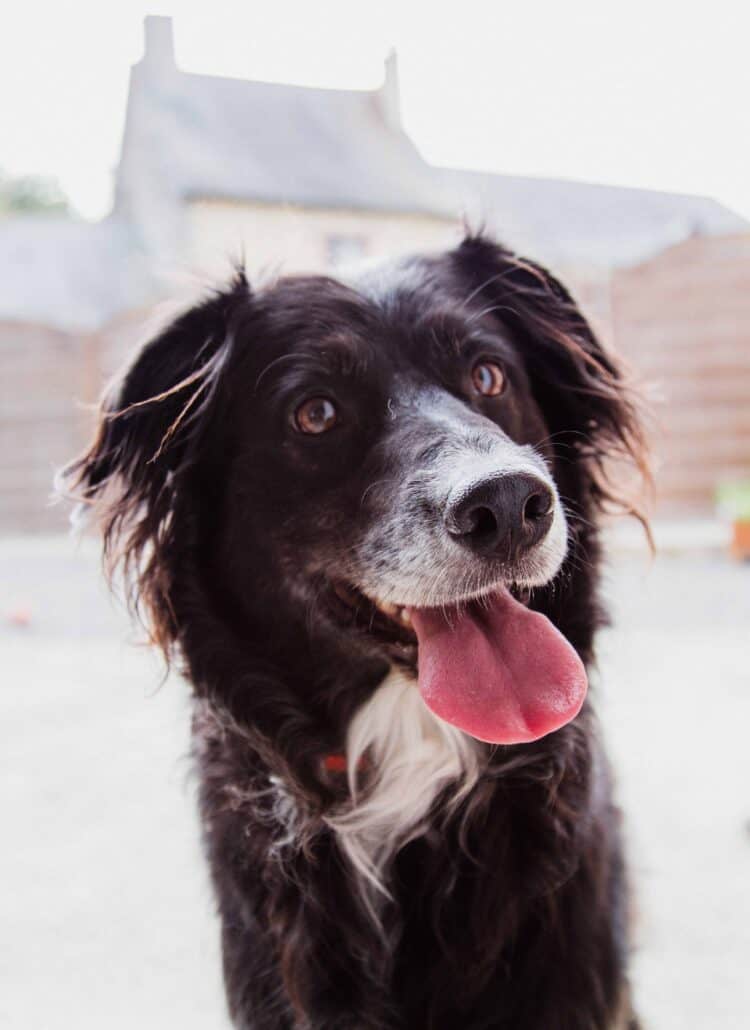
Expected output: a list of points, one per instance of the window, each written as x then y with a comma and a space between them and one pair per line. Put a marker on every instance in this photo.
343, 250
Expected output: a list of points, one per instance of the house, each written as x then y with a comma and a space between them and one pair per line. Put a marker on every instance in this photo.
289, 175
305, 178
298, 179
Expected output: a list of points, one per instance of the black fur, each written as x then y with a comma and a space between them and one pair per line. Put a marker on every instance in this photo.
507, 914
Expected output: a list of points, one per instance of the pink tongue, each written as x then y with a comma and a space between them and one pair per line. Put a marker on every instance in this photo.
501, 673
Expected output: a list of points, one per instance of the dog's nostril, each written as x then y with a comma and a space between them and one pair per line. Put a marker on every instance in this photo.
537, 505
483, 522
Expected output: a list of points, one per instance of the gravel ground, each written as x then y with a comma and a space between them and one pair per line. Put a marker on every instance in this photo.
106, 912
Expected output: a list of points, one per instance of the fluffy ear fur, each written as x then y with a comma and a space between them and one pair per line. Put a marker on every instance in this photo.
592, 412
151, 433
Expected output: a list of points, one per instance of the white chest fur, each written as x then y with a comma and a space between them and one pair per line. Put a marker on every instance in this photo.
412, 756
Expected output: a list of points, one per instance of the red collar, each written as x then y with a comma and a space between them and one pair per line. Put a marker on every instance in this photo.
335, 763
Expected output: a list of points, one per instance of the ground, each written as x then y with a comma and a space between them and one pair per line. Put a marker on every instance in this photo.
106, 910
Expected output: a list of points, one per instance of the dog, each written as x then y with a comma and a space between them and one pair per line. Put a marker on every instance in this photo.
361, 513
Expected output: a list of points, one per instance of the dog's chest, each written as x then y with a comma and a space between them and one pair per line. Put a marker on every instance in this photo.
409, 757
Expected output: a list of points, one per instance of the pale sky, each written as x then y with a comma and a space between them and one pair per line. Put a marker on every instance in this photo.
634, 93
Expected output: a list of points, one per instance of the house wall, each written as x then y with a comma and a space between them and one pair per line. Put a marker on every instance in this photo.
292, 239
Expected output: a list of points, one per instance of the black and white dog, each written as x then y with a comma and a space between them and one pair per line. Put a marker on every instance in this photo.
363, 515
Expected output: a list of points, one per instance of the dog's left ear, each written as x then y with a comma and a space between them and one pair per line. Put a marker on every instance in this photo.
592, 411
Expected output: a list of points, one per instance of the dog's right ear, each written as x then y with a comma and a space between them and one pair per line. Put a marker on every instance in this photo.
152, 429
152, 412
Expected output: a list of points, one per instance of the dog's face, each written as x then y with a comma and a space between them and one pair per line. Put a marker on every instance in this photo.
354, 454
390, 451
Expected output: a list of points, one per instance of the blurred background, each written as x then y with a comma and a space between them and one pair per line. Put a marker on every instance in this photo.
144, 148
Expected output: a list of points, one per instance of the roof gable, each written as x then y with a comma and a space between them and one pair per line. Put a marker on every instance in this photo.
271, 143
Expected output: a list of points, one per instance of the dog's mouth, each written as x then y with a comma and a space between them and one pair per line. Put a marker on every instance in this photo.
385, 616
389, 624
491, 666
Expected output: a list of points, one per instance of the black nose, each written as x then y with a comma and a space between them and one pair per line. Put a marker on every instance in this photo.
503, 516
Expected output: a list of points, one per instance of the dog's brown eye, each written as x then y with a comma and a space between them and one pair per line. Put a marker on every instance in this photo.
317, 415
488, 378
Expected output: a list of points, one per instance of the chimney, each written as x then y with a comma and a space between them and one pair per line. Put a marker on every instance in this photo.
390, 100
158, 52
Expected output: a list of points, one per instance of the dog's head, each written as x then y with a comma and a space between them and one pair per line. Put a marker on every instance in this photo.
364, 458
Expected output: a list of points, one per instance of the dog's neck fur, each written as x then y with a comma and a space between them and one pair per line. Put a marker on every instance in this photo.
411, 758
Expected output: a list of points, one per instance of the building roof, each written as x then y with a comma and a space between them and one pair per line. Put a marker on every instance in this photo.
291, 144
64, 272
271, 143
580, 223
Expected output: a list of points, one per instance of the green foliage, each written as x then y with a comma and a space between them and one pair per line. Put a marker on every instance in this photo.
31, 194
734, 499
